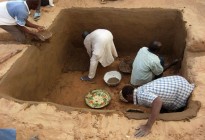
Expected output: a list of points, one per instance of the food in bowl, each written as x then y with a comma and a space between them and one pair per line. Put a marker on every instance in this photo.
112, 78
97, 98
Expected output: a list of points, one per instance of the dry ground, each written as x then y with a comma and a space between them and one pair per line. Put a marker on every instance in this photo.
49, 123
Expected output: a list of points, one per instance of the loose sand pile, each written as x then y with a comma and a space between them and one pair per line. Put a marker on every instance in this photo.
51, 123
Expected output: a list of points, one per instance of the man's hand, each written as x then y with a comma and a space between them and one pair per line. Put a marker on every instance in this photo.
85, 78
37, 27
145, 129
40, 28
142, 131
35, 36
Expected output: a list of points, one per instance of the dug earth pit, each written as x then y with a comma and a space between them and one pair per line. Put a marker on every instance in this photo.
52, 71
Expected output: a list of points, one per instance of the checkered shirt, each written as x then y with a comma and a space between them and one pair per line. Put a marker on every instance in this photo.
173, 91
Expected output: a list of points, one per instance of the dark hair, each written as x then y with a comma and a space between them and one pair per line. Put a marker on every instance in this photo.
127, 90
85, 33
154, 46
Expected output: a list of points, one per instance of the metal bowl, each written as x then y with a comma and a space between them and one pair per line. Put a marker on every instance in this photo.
44, 35
112, 78
125, 65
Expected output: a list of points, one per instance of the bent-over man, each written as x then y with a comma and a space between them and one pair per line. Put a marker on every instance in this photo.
14, 18
147, 66
170, 93
100, 47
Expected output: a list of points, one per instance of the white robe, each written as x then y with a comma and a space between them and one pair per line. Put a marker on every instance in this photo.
100, 48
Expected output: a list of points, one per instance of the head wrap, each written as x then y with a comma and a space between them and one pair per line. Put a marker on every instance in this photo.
122, 98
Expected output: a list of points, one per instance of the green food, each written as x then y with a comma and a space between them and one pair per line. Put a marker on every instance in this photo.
97, 98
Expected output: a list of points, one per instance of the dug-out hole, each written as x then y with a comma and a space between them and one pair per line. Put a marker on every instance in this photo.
52, 73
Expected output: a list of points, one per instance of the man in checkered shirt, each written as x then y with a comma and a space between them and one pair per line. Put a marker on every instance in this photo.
170, 93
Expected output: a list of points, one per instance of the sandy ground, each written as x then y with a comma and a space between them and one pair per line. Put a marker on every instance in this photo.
74, 90
49, 123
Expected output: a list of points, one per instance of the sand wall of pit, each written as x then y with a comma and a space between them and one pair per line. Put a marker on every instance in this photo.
37, 71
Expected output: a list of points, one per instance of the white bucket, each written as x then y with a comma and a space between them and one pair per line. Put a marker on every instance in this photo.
112, 74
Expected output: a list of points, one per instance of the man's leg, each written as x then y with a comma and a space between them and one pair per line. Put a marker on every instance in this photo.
44, 2
37, 13
15, 31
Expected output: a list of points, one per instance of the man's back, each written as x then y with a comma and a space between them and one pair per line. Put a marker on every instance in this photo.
173, 91
100, 47
100, 43
13, 12
100, 37
145, 66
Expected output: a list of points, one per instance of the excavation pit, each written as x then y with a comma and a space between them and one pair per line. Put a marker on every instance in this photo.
51, 72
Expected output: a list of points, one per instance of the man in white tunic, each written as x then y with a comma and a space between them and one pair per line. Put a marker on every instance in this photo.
100, 47
147, 65
14, 18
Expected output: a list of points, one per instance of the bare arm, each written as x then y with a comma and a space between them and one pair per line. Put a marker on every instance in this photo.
92, 69
31, 25
145, 129
171, 64
25, 30
156, 107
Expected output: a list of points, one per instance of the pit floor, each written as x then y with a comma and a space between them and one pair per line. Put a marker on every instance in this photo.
70, 90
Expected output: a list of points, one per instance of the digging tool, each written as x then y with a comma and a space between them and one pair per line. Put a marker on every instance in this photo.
135, 110
125, 66
172, 64
105, 1
44, 35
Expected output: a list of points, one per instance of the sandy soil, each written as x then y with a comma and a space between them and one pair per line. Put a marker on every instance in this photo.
50, 123
71, 91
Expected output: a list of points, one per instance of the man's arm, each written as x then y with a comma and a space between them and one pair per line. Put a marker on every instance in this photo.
88, 46
157, 68
31, 25
114, 51
171, 64
25, 30
145, 129
92, 69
